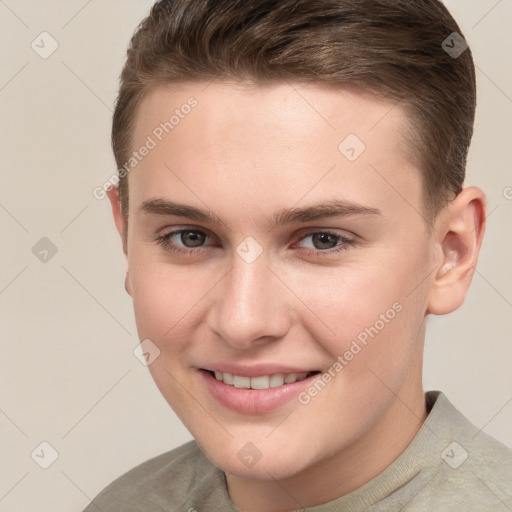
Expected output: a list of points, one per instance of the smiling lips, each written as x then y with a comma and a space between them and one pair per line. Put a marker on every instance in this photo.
256, 388
261, 381
258, 394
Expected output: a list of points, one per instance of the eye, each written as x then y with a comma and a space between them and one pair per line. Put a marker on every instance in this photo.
195, 238
326, 243
192, 239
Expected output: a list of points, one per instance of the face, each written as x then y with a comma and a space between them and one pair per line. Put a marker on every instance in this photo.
311, 264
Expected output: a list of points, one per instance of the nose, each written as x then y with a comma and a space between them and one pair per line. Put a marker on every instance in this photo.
251, 306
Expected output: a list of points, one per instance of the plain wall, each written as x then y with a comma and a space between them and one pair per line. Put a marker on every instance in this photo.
68, 373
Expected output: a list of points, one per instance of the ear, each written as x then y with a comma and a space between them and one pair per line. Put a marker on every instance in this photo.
120, 221
460, 232
121, 226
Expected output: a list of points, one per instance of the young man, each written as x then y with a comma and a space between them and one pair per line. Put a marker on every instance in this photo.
292, 209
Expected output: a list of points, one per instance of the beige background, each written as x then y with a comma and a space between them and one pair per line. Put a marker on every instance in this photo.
68, 374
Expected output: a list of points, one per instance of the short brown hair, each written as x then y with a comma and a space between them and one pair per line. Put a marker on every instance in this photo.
390, 48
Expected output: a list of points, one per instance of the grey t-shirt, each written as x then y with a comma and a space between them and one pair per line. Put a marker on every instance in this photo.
450, 465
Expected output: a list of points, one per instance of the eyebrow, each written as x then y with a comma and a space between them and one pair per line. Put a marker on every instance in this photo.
323, 210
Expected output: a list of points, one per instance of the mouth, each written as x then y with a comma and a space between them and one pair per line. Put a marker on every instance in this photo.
261, 381
256, 394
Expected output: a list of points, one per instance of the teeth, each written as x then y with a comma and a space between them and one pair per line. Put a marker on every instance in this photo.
290, 378
276, 380
241, 382
262, 381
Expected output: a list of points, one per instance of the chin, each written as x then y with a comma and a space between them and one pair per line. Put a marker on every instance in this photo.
266, 462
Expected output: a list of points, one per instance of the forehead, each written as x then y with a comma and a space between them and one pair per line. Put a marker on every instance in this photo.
278, 143
297, 111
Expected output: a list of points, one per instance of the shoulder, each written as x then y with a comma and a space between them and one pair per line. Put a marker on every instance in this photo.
172, 478
468, 442
474, 469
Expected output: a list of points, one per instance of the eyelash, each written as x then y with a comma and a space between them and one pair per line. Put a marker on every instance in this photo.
164, 241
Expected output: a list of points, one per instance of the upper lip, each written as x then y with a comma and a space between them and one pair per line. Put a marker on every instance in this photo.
256, 370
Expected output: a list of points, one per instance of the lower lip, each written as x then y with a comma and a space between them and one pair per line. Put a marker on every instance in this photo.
253, 401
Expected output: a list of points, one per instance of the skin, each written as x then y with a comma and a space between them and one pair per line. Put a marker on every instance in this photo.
246, 152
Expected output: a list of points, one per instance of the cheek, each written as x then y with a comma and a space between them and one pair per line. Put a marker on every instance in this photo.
165, 297
344, 301
154, 305
166, 308
366, 312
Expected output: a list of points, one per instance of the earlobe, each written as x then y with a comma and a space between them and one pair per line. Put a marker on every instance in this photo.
461, 232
